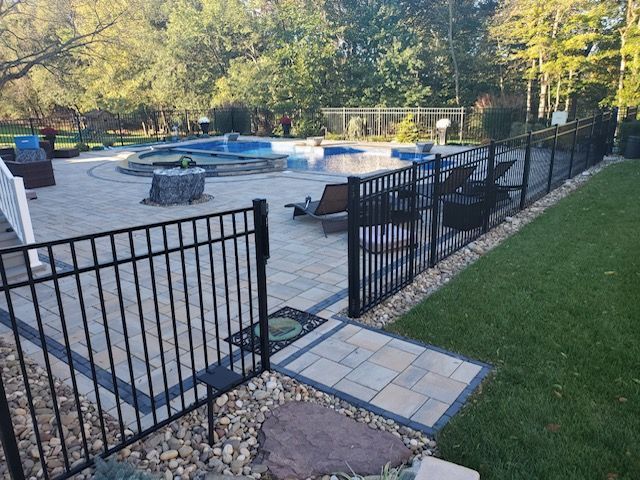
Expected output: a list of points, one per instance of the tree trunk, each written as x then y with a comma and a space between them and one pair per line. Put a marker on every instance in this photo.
454, 60
544, 91
630, 19
530, 97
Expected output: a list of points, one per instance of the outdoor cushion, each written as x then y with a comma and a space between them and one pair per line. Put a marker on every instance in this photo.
31, 155
382, 238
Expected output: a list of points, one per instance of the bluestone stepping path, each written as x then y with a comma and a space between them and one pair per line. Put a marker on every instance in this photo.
420, 386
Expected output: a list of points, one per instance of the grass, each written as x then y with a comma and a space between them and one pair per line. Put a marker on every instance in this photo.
69, 138
556, 310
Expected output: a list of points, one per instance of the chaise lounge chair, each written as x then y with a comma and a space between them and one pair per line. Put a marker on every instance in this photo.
477, 187
332, 203
424, 192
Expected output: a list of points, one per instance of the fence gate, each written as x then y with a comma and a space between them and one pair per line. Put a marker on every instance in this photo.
105, 344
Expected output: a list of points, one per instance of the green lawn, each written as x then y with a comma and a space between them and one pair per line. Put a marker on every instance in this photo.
556, 310
69, 138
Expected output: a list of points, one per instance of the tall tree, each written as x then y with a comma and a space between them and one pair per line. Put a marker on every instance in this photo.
40, 34
629, 74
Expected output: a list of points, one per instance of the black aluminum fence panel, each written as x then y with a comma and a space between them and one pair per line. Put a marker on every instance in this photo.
404, 221
467, 125
98, 129
127, 320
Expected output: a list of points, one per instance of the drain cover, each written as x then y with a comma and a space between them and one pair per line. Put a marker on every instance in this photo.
281, 329
285, 326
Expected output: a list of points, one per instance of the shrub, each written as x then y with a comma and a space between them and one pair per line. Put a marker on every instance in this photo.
628, 129
333, 136
113, 470
356, 128
108, 143
308, 126
518, 128
407, 130
83, 147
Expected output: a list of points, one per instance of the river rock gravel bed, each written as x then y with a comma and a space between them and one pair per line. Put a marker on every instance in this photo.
433, 278
179, 450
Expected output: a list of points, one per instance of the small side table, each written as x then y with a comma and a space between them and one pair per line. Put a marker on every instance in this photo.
462, 212
220, 379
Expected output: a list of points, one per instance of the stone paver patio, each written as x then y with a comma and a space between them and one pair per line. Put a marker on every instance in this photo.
418, 385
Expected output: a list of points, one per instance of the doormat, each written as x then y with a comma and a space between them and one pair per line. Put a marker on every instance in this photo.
285, 327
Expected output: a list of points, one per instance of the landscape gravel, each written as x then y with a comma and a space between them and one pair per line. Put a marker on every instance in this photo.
179, 450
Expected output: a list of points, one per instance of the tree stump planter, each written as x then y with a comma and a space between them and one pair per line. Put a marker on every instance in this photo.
177, 185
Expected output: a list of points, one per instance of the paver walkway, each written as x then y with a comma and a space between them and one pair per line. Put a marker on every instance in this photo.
418, 385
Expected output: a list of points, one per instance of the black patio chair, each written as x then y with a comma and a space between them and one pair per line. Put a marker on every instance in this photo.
333, 202
477, 187
424, 192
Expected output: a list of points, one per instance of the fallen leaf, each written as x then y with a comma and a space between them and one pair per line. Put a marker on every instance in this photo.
611, 272
552, 427
622, 399
612, 476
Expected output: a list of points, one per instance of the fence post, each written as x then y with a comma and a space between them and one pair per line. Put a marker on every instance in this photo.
261, 226
489, 186
353, 246
589, 149
573, 147
435, 211
413, 215
8, 438
344, 121
553, 157
120, 129
461, 128
611, 132
525, 173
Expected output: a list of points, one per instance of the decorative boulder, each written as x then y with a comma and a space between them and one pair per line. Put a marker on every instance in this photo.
301, 440
177, 185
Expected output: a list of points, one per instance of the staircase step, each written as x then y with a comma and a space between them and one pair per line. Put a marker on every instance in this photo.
16, 274
11, 260
9, 236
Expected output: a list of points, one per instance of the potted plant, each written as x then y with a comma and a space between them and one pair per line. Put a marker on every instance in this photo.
49, 135
204, 123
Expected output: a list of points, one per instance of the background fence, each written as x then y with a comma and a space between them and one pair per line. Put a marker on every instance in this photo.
101, 128
469, 125
404, 221
117, 317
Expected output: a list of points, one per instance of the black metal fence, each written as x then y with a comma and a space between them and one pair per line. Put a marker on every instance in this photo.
468, 125
101, 128
126, 320
404, 221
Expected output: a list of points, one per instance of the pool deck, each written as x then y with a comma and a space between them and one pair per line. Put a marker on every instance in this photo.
419, 385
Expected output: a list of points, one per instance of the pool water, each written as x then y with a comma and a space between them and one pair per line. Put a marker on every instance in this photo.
330, 159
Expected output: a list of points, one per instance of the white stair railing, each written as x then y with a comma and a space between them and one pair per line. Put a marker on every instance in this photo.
13, 205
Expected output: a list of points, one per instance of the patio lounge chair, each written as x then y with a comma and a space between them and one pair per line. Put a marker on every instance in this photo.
477, 187
457, 177
332, 203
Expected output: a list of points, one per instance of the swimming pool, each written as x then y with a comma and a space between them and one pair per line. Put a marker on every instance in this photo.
330, 159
